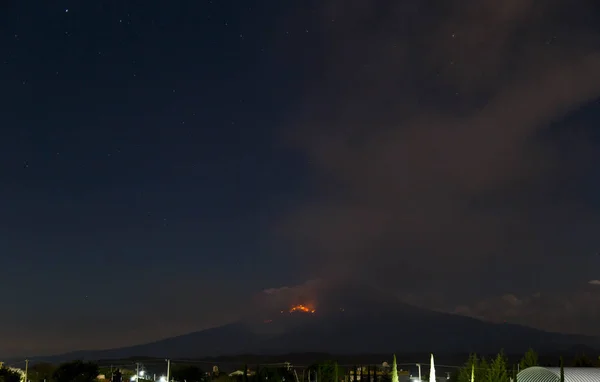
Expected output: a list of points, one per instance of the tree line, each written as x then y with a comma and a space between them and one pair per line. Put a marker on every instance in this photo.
498, 369
80, 371
76, 371
479, 369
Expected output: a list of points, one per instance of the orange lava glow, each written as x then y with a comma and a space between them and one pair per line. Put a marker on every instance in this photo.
301, 308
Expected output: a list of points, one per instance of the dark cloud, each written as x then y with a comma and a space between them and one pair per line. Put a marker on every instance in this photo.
575, 311
437, 139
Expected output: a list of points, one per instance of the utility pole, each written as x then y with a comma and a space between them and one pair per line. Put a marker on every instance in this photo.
419, 366
26, 368
137, 372
168, 370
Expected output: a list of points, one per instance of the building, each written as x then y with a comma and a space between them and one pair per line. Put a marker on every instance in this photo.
367, 375
552, 374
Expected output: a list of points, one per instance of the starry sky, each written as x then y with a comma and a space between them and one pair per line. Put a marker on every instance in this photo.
163, 165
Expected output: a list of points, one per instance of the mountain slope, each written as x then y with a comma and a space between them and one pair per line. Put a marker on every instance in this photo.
375, 328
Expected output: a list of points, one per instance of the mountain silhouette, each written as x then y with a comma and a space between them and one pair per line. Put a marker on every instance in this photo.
362, 326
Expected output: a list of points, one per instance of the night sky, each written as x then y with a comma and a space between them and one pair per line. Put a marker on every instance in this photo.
163, 164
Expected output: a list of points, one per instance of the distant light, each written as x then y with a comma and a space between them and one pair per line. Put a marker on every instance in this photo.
163, 379
133, 378
67, 10
142, 373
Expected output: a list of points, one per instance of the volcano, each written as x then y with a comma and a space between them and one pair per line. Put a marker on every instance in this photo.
352, 326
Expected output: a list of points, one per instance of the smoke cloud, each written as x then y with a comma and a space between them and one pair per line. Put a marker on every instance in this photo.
442, 140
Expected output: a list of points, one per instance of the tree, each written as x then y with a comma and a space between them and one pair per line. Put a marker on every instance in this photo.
7, 375
245, 377
482, 370
327, 371
126, 374
474, 368
582, 360
116, 375
497, 371
529, 359
41, 372
275, 374
76, 371
187, 373
394, 370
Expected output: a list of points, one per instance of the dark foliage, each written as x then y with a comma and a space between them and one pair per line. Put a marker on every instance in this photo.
187, 374
7, 375
76, 371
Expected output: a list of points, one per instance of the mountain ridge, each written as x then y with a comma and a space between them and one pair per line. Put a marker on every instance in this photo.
381, 328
